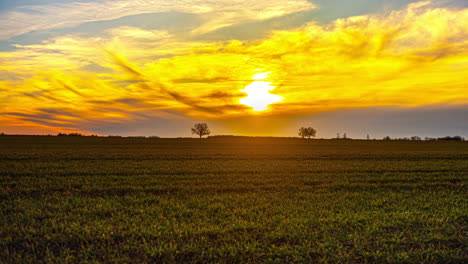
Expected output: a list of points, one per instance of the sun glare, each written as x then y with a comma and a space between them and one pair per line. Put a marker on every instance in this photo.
260, 76
259, 96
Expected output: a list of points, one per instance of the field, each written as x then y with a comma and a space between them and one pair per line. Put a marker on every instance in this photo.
232, 200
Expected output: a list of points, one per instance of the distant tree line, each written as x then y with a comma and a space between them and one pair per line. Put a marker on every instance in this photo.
417, 138
93, 135
75, 135
455, 138
69, 135
201, 129
344, 136
117, 136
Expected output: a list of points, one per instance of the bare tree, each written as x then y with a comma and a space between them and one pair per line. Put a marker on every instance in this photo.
307, 132
201, 129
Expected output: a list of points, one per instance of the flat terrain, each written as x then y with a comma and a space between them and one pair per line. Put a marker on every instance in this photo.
233, 200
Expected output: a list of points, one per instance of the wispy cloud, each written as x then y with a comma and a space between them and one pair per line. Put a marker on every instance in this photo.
218, 13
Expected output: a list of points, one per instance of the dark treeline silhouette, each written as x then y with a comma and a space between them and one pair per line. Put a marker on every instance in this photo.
417, 138
201, 129
345, 136
247, 137
75, 135
69, 135
118, 136
455, 138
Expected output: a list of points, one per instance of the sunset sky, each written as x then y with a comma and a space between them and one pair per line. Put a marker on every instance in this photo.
137, 67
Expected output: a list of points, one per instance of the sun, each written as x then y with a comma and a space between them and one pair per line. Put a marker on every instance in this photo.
258, 93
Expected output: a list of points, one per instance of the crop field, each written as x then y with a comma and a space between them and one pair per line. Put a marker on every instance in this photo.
232, 200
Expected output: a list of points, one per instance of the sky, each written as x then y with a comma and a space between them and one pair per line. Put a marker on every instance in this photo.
263, 68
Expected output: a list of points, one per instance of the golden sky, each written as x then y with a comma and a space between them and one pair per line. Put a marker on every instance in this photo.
72, 81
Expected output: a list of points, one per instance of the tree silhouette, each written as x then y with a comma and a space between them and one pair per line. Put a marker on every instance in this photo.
302, 132
201, 129
307, 132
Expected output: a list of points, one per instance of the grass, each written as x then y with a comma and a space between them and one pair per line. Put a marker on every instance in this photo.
245, 200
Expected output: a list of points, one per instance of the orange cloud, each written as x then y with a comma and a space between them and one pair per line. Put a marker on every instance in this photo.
410, 57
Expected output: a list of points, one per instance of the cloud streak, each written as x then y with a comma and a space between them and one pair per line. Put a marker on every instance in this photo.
220, 13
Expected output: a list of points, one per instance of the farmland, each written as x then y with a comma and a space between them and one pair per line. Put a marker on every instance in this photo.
233, 200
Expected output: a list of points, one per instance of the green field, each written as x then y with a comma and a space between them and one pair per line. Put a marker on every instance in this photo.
232, 200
